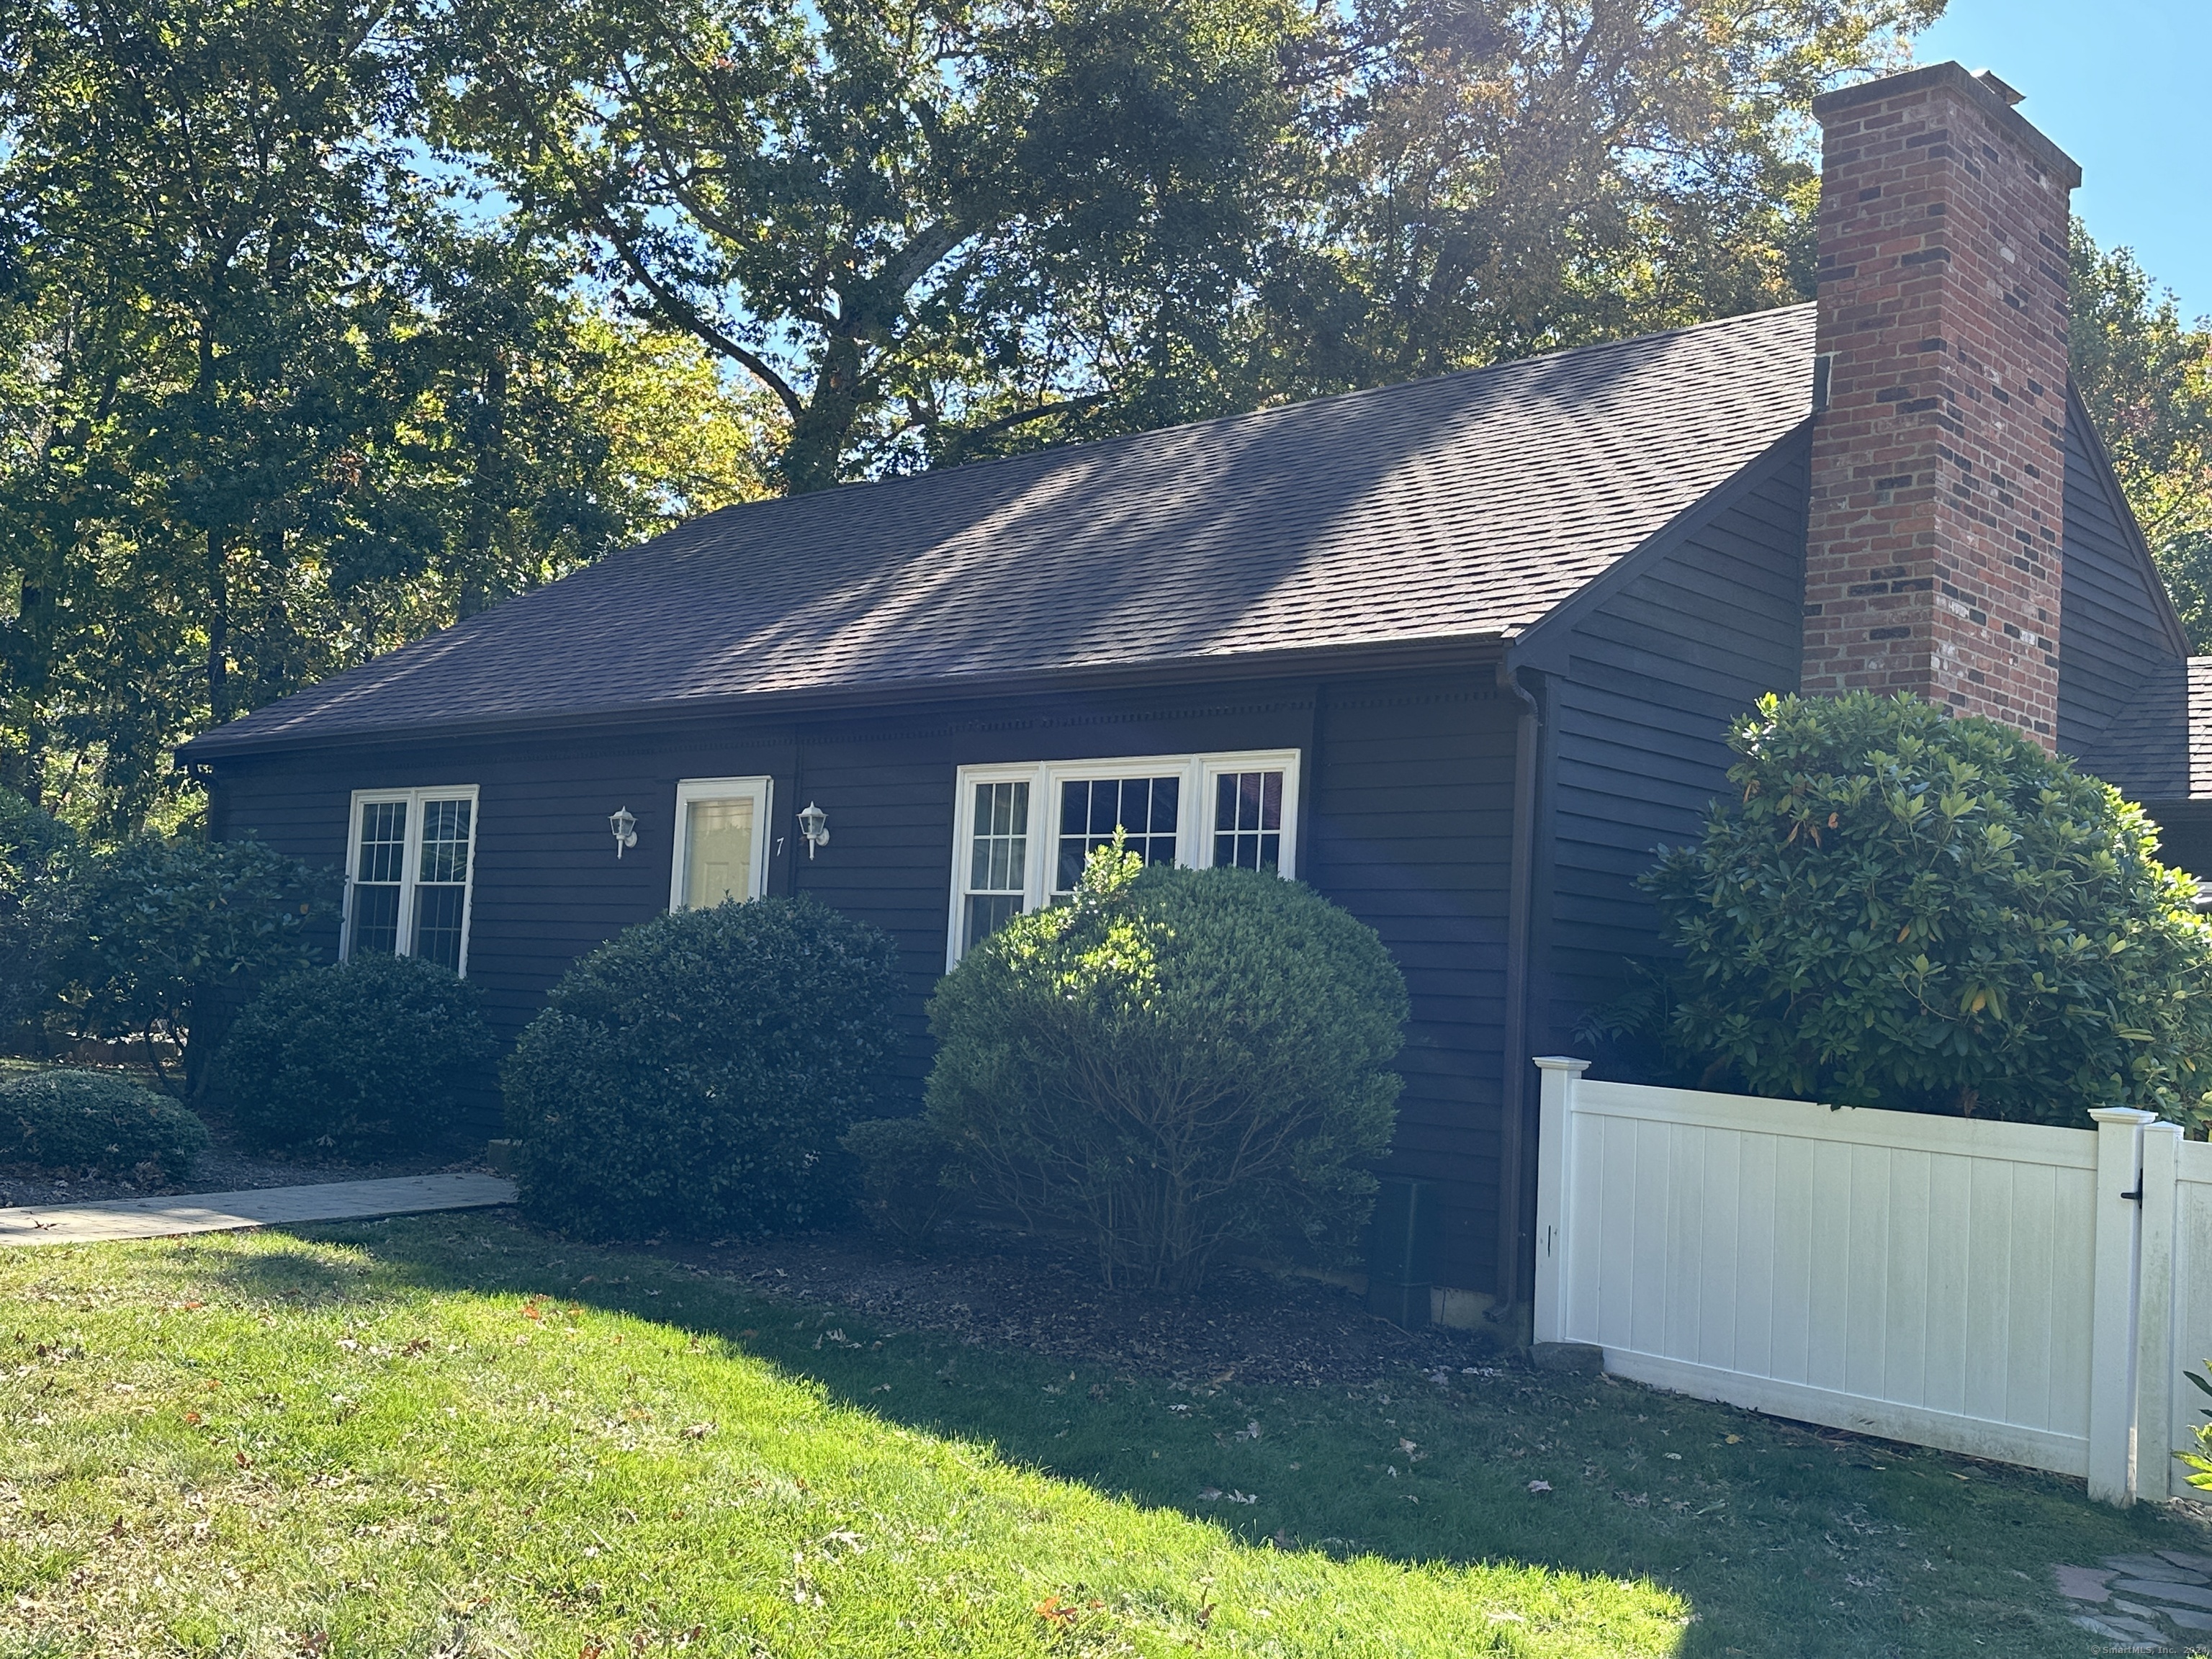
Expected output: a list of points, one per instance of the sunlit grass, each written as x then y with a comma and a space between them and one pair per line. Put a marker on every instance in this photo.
253, 1443
454, 1435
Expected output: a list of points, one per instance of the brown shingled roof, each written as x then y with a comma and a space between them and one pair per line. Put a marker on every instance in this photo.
1455, 509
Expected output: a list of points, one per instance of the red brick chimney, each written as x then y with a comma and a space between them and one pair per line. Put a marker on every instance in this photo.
1932, 559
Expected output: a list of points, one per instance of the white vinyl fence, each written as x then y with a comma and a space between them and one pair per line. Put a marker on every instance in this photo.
2011, 1290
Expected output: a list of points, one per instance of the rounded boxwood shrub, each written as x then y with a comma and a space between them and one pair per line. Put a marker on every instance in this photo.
1173, 1062
373, 1055
1895, 908
691, 1076
97, 1122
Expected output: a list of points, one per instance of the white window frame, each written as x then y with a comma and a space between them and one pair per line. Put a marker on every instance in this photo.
411, 861
1193, 827
759, 790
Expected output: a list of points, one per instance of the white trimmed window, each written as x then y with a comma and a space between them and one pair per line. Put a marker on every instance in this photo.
1023, 831
410, 868
721, 842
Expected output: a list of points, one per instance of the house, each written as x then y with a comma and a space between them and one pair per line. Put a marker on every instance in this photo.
1460, 652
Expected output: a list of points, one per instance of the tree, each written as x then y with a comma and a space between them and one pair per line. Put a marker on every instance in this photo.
921, 227
1895, 908
1505, 179
171, 938
2145, 376
273, 402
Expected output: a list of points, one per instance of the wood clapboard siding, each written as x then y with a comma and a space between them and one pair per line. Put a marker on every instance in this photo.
1637, 718
2113, 632
1407, 815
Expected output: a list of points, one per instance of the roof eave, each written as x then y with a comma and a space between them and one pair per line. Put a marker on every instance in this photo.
1472, 652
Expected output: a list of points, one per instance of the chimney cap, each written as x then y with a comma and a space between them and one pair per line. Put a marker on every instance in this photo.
2011, 95
1994, 98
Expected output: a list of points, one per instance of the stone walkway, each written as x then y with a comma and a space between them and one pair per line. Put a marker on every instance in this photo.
2135, 1597
207, 1212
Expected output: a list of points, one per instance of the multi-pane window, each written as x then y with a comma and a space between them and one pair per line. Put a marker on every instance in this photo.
382, 862
1024, 831
441, 881
998, 857
409, 866
721, 848
1091, 809
1247, 819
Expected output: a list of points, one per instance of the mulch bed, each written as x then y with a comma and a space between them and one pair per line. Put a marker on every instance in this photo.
988, 1287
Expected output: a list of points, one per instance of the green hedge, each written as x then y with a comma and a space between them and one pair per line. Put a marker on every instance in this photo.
377, 1055
691, 1077
95, 1121
1892, 907
1175, 1062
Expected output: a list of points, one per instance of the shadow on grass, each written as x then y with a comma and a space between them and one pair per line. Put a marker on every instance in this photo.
1787, 1541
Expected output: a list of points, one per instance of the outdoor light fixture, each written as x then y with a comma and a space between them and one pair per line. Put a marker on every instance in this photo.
814, 828
623, 822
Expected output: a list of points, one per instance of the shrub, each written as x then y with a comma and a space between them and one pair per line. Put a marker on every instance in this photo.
691, 1076
96, 1121
1895, 908
174, 937
372, 1055
1172, 1062
903, 1170
34, 894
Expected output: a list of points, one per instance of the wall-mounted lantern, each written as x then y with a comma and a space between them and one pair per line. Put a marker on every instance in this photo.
623, 822
814, 828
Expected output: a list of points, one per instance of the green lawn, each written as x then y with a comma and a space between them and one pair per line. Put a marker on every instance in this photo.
448, 1436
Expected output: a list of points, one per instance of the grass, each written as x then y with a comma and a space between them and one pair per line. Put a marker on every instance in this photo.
447, 1436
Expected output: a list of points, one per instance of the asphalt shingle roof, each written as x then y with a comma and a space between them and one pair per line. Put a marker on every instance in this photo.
1462, 507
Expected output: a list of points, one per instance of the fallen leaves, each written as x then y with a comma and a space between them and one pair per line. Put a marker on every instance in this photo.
1539, 1487
1214, 1494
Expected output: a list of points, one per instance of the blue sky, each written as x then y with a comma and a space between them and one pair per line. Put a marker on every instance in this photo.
2121, 85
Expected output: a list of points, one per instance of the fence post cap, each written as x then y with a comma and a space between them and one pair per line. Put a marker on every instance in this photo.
1561, 1063
2121, 1114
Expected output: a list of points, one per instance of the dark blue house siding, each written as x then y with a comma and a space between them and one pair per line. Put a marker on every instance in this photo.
2116, 632
1412, 831
1647, 679
1406, 809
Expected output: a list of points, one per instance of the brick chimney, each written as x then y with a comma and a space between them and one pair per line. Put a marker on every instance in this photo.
1932, 558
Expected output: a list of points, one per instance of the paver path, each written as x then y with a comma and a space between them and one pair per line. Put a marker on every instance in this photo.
2132, 1592
207, 1212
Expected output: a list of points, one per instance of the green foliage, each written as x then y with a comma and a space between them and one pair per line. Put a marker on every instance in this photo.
934, 231
926, 227
691, 1076
171, 938
270, 404
97, 1122
2199, 1462
1522, 177
35, 851
1895, 908
904, 1164
374, 1054
1174, 1062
